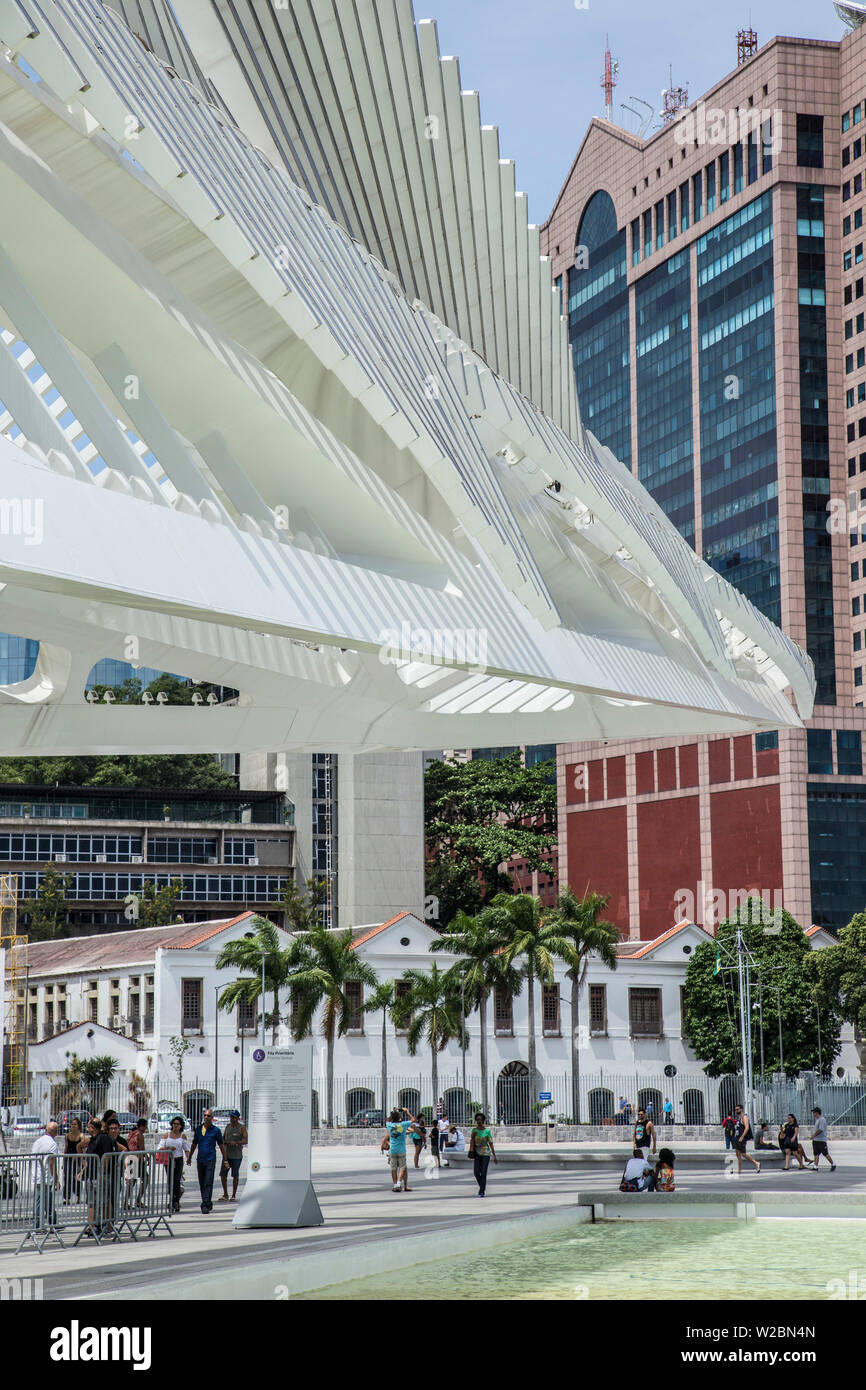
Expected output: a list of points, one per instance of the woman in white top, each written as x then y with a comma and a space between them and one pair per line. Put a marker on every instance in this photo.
177, 1145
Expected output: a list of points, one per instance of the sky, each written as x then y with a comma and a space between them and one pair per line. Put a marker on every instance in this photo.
538, 63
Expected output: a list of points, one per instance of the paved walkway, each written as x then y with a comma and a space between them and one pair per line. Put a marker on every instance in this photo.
355, 1194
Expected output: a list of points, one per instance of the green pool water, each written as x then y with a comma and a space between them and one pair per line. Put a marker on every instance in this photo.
761, 1259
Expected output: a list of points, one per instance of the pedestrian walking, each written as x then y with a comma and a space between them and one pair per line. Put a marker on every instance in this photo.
729, 1124
433, 1137
207, 1139
443, 1127
668, 1110
742, 1133
481, 1150
235, 1138
819, 1140
398, 1126
176, 1145
644, 1136
46, 1148
789, 1139
71, 1166
622, 1111
419, 1138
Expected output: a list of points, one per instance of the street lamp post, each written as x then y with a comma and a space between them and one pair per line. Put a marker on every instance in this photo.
781, 1054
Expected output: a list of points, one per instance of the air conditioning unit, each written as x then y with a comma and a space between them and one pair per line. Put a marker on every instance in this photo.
117, 1021
253, 859
213, 859
60, 858
136, 859
100, 858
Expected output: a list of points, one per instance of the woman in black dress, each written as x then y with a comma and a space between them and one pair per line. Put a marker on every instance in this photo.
791, 1142
71, 1168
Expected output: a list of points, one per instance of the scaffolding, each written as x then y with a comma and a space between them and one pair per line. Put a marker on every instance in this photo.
747, 45
14, 946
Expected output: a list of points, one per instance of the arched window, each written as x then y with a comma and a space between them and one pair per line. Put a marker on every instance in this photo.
693, 1107
361, 1098
513, 1095
600, 1106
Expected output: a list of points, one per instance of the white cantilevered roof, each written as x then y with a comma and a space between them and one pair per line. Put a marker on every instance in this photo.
251, 451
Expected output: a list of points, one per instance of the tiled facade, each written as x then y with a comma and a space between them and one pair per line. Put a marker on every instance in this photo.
708, 291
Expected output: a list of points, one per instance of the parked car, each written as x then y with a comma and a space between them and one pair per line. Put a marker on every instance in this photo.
28, 1125
366, 1117
65, 1118
128, 1121
160, 1120
223, 1117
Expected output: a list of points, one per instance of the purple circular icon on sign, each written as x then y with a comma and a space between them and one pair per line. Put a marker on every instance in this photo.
258, 1055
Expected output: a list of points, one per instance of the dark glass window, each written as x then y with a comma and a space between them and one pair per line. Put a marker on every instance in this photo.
849, 753
810, 141
697, 197
738, 168
663, 370
765, 742
598, 325
819, 743
710, 172
724, 177
837, 833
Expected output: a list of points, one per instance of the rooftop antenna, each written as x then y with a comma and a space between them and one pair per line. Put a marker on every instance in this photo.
747, 44
609, 81
674, 100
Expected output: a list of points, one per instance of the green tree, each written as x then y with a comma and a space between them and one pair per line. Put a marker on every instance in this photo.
535, 944
322, 964
156, 907
478, 815
781, 952
478, 940
382, 1001
580, 933
430, 1011
301, 906
246, 954
48, 913
839, 975
97, 1074
179, 1049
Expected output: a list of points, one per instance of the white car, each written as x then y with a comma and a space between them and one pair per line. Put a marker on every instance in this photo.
160, 1121
28, 1125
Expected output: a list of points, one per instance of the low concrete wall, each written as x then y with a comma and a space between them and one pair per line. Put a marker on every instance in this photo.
372, 1134
569, 1134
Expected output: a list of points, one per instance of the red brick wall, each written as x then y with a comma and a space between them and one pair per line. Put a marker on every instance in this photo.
689, 765
743, 748
645, 773
615, 778
666, 759
669, 857
598, 856
720, 760
747, 839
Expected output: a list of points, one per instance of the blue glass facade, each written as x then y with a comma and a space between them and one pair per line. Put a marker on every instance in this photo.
739, 478
598, 326
663, 367
837, 833
18, 656
814, 438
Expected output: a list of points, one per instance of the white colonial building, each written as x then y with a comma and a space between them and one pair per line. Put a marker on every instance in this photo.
126, 994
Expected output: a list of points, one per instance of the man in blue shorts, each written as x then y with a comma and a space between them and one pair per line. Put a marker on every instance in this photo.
398, 1126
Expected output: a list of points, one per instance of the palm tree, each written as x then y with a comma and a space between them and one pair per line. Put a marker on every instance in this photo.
97, 1074
431, 1009
579, 933
246, 954
530, 941
321, 963
479, 940
382, 999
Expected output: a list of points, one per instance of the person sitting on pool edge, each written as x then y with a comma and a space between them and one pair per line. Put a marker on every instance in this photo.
638, 1175
664, 1174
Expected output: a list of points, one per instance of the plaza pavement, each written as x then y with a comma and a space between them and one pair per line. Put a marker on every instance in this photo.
208, 1258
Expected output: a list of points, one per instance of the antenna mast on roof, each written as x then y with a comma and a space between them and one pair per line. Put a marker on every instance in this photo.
609, 81
674, 100
747, 45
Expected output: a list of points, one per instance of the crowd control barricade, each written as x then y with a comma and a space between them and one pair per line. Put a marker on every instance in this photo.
27, 1199
118, 1194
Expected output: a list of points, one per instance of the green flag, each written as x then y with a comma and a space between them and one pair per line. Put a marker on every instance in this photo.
718, 965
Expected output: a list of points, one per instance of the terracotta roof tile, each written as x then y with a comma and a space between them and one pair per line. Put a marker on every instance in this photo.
123, 947
367, 933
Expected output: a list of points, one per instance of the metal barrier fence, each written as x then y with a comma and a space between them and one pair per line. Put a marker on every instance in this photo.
511, 1097
102, 1196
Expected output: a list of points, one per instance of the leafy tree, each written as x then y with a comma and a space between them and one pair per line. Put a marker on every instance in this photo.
478, 815
535, 943
246, 954
301, 906
179, 1049
430, 1010
479, 940
580, 933
156, 907
382, 1001
782, 953
322, 964
97, 1074
839, 974
48, 913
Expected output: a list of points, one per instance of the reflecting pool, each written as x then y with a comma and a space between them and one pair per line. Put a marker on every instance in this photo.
767, 1258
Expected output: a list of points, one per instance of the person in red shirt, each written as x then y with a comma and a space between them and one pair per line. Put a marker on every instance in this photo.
135, 1141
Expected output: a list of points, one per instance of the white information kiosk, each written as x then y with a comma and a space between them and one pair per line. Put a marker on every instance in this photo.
279, 1189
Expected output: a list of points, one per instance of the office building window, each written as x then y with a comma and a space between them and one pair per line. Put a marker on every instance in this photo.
724, 177
660, 223
819, 744
849, 752
550, 1010
711, 187
697, 196
635, 241
738, 168
810, 141
684, 206
767, 146
191, 1012
503, 1012
354, 1006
